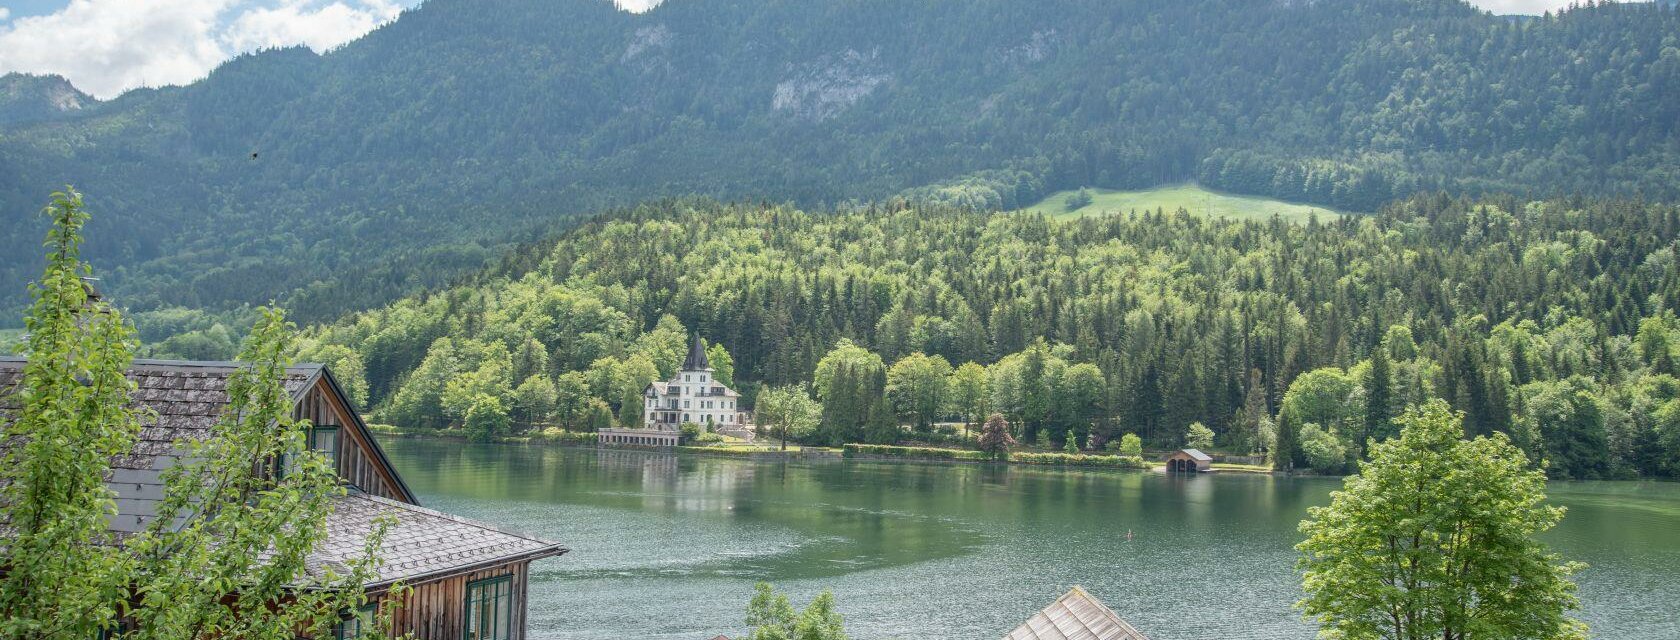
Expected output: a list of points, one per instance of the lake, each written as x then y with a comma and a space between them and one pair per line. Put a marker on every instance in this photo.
669, 547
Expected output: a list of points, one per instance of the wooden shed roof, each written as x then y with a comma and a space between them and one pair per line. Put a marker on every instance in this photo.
1197, 455
1077, 615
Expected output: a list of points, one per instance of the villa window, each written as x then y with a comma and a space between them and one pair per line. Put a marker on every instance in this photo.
702, 377
688, 403
685, 377
489, 614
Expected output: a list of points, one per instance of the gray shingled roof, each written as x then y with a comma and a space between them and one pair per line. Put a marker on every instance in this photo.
421, 542
1076, 615
696, 360
1198, 455
185, 400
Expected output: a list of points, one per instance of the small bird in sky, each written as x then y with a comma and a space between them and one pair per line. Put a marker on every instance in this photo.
253, 155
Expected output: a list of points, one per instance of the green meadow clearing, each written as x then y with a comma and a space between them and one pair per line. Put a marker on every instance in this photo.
1190, 197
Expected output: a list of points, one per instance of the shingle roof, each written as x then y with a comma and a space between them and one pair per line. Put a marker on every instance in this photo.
696, 360
185, 400
1076, 615
1198, 455
421, 542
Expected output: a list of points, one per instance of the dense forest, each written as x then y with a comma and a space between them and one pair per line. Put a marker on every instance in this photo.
416, 154
1548, 320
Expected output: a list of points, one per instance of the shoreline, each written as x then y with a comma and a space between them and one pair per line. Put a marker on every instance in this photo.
852, 451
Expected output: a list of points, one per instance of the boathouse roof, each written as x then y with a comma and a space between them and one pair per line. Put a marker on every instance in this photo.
1077, 615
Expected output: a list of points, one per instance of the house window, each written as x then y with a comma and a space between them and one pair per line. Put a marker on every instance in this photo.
321, 439
490, 609
359, 625
324, 440
685, 377
688, 403
702, 377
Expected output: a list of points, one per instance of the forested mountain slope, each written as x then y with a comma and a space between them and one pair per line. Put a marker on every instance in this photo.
1549, 320
337, 181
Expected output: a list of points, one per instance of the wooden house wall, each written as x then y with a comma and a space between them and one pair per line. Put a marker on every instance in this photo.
436, 610
357, 463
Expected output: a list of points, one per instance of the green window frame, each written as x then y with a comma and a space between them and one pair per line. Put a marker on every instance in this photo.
354, 627
314, 438
324, 440
488, 611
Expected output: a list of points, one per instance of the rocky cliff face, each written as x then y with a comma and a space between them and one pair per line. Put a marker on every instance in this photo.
28, 98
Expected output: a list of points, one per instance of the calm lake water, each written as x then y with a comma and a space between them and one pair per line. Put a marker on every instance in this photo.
669, 547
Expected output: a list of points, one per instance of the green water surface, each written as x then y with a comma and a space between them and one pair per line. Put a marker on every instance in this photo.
669, 547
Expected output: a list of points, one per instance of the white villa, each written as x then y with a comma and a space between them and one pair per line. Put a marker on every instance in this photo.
692, 395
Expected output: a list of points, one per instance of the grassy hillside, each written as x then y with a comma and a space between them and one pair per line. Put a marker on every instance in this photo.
1190, 197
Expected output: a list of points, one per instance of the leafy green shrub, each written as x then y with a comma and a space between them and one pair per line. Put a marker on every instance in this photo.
556, 434
1081, 460
1198, 437
928, 453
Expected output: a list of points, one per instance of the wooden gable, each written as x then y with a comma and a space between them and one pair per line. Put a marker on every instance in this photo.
361, 463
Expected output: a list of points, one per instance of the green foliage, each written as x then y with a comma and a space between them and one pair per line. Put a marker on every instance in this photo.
1322, 450
691, 431
1077, 200
787, 412
1198, 436
772, 617
1381, 99
485, 418
227, 558
1436, 538
240, 568
1324, 397
928, 453
63, 570
1077, 459
1070, 443
1133, 323
969, 393
1131, 445
916, 386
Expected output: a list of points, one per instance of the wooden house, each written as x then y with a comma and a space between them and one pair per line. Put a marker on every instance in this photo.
1189, 461
468, 579
1077, 615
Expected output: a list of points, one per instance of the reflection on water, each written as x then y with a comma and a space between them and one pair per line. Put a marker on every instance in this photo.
669, 547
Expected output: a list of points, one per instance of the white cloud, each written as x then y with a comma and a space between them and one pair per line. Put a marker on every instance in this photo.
106, 47
299, 22
637, 6
1524, 7
5, 13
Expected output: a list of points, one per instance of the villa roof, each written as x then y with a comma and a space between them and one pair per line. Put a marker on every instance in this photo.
1077, 615
696, 360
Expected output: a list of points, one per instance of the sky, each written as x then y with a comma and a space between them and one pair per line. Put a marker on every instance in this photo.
106, 47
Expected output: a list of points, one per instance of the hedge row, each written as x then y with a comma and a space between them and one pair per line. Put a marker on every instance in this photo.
930, 453
1024, 457
1079, 459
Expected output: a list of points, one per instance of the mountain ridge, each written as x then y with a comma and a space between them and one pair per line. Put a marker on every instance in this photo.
336, 181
